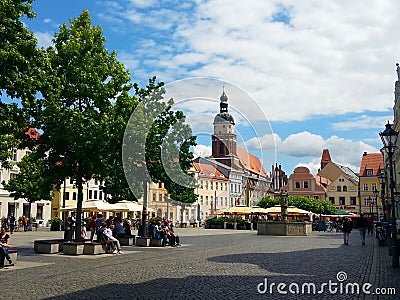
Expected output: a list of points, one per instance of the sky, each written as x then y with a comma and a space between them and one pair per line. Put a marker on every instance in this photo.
300, 76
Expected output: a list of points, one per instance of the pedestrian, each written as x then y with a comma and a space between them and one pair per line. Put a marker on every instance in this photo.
11, 222
92, 225
347, 227
4, 245
370, 225
362, 225
25, 222
70, 227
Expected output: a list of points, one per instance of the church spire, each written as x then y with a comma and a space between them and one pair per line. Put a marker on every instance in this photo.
223, 105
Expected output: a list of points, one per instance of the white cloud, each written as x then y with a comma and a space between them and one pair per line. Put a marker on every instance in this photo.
363, 122
44, 38
202, 151
336, 57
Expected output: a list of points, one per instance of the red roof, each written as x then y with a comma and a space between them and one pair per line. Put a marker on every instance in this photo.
209, 171
250, 162
33, 133
371, 161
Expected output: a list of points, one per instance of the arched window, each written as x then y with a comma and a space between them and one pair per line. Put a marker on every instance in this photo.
345, 188
338, 188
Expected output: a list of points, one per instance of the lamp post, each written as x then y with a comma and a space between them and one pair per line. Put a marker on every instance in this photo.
370, 205
389, 139
382, 180
376, 203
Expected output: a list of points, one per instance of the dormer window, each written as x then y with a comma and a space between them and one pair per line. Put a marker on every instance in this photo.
369, 172
212, 174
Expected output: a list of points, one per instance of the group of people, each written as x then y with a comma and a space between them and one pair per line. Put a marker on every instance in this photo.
363, 225
10, 223
164, 231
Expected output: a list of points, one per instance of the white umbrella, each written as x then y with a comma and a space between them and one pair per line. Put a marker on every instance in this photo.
130, 205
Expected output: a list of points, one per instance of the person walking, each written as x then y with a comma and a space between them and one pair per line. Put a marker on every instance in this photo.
362, 225
11, 222
347, 227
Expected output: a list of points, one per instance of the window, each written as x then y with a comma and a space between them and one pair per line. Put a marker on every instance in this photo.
90, 194
66, 196
369, 172
211, 185
160, 197
201, 200
305, 184
332, 200
366, 201
160, 185
15, 155
39, 212
154, 197
345, 188
100, 195
352, 200
95, 195
73, 196
13, 175
216, 186
342, 201
206, 200
338, 188
365, 187
297, 184
373, 187
206, 185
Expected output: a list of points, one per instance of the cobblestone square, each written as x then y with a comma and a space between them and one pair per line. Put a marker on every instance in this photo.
211, 264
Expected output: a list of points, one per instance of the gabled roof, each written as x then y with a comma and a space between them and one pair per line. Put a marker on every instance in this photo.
353, 177
250, 162
371, 161
208, 171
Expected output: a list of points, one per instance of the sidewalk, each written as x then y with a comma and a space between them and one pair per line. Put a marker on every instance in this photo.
378, 269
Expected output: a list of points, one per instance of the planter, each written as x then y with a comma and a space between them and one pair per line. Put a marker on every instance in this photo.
55, 227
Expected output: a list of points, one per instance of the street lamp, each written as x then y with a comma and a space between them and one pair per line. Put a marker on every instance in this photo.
376, 203
370, 205
389, 139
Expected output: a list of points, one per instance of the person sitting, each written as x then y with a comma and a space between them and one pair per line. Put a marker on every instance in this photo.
4, 245
107, 233
119, 231
127, 227
173, 238
160, 233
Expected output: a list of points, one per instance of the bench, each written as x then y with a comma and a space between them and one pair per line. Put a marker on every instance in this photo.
73, 248
47, 246
156, 243
94, 248
13, 255
126, 240
142, 241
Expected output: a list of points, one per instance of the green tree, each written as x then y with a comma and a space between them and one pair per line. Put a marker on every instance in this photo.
82, 82
19, 69
267, 202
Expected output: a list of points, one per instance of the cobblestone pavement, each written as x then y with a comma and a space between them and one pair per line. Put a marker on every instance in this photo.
211, 264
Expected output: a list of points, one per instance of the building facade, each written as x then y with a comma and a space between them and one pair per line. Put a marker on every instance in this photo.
370, 168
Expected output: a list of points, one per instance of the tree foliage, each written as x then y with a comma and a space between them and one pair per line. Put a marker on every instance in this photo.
19, 67
315, 205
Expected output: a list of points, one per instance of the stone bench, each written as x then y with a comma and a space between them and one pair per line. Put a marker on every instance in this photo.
47, 246
155, 243
13, 255
142, 241
94, 248
126, 240
73, 248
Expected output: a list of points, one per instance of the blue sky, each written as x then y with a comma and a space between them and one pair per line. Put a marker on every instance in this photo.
300, 76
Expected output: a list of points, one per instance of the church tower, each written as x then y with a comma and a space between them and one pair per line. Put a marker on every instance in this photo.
224, 137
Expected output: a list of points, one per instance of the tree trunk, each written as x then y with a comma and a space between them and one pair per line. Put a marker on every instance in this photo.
79, 183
